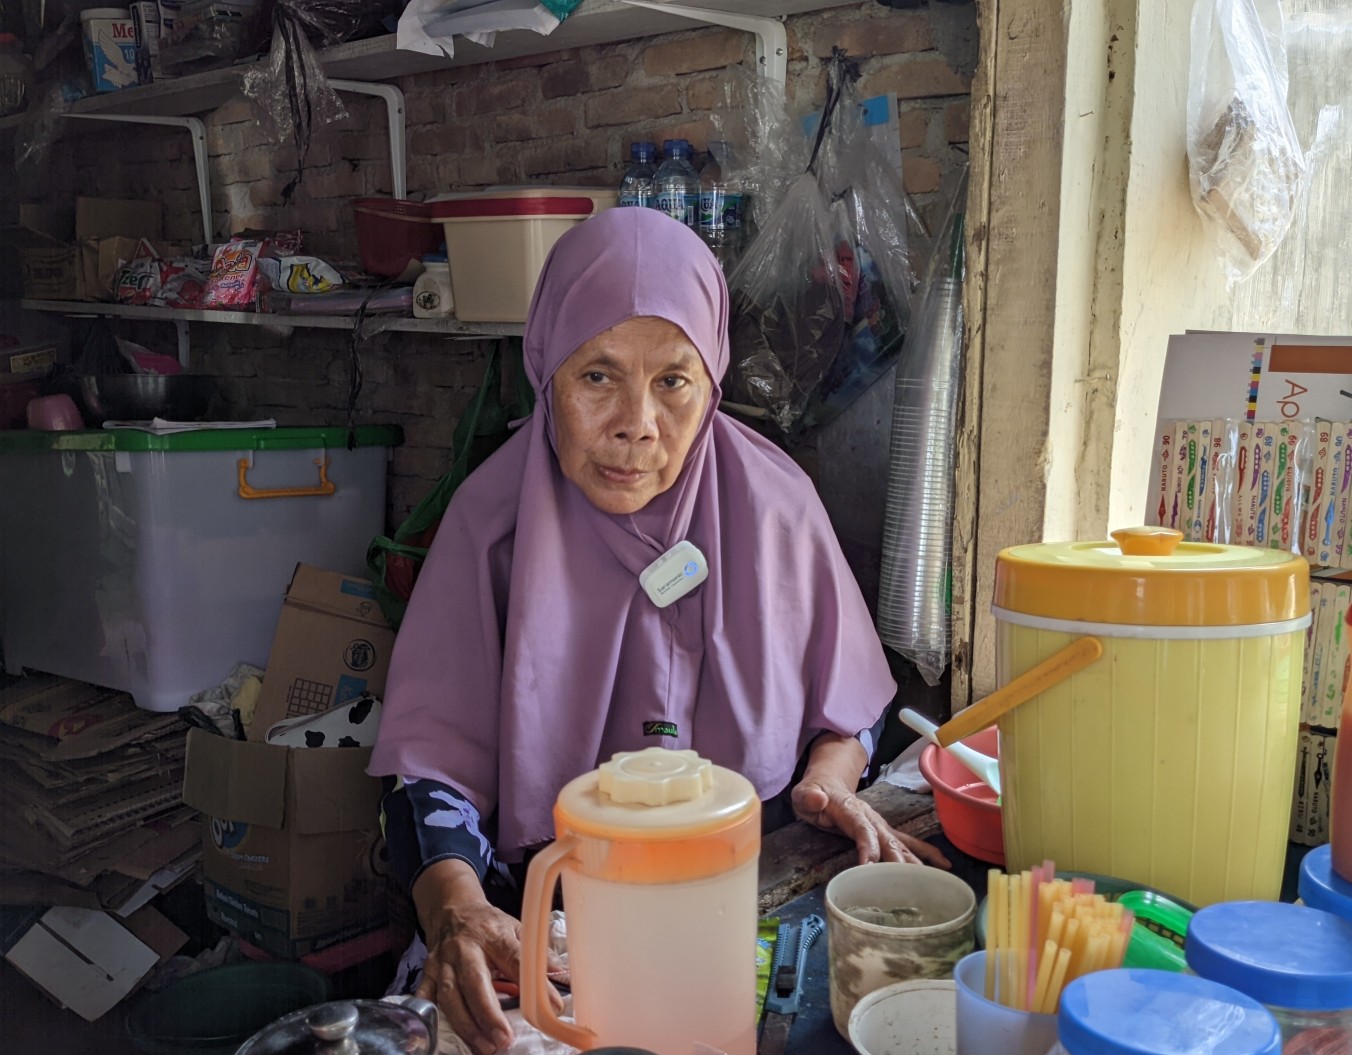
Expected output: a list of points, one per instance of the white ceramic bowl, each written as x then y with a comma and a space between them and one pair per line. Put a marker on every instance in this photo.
907, 1018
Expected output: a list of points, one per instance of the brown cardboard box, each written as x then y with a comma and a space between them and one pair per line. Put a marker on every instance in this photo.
332, 644
101, 229
292, 857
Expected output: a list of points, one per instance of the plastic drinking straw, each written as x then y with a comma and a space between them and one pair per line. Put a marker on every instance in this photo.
994, 879
1044, 975
1058, 979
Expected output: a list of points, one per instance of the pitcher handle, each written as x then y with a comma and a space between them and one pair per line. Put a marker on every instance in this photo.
541, 879
1055, 668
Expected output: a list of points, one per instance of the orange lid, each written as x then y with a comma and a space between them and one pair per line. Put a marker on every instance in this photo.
1147, 576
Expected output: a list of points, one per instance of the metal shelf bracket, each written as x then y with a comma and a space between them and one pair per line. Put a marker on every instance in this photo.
198, 131
772, 43
394, 111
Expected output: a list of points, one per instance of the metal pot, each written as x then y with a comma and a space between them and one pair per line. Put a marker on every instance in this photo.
140, 397
404, 1025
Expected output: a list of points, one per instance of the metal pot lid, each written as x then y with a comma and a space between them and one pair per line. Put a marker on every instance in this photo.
350, 1027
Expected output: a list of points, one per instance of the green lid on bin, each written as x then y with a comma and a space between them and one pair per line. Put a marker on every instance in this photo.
32, 441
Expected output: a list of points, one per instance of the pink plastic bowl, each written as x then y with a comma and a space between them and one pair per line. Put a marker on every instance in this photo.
968, 812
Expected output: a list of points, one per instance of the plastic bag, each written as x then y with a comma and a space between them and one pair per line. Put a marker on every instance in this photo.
206, 34
395, 562
1245, 164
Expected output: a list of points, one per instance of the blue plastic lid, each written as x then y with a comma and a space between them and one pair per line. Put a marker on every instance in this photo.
435, 258
1323, 888
643, 151
1142, 1012
1282, 955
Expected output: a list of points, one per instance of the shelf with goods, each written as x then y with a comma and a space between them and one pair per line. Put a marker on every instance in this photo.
1280, 485
181, 317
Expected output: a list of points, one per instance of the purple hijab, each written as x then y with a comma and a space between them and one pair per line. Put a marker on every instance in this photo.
529, 653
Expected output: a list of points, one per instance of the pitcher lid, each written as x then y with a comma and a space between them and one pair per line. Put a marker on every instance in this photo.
656, 793
1148, 576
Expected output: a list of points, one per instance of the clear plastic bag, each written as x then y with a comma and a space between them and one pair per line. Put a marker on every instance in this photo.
207, 34
1245, 163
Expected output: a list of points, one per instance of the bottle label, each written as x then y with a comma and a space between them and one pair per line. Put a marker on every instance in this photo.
675, 205
720, 210
638, 200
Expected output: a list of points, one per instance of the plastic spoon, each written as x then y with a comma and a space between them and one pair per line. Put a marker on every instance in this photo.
986, 769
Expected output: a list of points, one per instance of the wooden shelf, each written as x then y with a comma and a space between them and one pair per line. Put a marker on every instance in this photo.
373, 323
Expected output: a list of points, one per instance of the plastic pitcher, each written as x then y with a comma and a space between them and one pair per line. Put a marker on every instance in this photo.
1168, 761
657, 851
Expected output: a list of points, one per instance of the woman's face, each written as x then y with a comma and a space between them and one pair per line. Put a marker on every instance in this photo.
627, 406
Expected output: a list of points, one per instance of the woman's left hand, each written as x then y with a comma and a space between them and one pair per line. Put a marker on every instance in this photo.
825, 798
833, 807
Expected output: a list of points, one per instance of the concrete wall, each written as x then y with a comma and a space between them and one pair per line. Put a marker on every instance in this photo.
566, 117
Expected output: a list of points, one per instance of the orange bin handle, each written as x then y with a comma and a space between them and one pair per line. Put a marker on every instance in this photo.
323, 488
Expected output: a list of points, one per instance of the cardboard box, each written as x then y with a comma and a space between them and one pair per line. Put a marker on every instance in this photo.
74, 257
292, 856
332, 644
27, 362
89, 961
50, 267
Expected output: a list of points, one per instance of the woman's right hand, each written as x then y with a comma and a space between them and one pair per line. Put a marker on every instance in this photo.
469, 944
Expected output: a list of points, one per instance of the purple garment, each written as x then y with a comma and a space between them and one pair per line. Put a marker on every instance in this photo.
529, 652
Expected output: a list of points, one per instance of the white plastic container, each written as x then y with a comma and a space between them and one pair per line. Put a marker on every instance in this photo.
154, 564
497, 241
432, 294
110, 47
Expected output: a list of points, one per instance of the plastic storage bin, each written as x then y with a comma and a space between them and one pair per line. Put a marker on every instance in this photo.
1295, 960
153, 564
1140, 1012
497, 241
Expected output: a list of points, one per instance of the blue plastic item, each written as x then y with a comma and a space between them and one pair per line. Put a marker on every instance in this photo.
1288, 956
1323, 888
1144, 1012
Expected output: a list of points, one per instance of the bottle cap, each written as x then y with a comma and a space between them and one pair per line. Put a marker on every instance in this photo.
1282, 955
1134, 1012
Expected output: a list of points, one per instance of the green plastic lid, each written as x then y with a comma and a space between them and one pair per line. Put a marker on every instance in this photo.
32, 441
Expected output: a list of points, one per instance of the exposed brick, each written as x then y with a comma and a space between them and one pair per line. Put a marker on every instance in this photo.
474, 170
263, 193
245, 167
336, 182
233, 111
454, 137
797, 49
921, 175
427, 107
705, 51
697, 132
920, 79
892, 34
491, 96
541, 124
630, 107
422, 174
429, 463
957, 122
608, 72
568, 155
913, 126
235, 139
704, 93
564, 79
358, 146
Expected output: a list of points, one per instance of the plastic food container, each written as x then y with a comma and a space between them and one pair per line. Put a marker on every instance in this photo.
110, 47
1294, 959
498, 240
1169, 759
392, 232
154, 564
906, 1018
1323, 888
1140, 1012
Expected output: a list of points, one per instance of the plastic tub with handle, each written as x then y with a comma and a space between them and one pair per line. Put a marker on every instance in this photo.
1170, 758
155, 563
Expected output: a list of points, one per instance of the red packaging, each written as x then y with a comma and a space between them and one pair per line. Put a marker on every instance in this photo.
234, 274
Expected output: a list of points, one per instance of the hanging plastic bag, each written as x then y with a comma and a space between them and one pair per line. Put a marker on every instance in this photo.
1245, 163
394, 562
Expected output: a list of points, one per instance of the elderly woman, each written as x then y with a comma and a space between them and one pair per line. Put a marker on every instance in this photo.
531, 652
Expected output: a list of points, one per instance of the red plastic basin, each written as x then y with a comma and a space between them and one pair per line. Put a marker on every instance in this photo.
967, 808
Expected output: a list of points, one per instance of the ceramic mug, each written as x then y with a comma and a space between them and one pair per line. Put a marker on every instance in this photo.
54, 413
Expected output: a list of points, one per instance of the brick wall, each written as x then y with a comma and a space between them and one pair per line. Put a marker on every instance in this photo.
566, 117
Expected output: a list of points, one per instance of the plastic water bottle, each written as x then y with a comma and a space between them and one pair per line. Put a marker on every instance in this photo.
637, 186
721, 205
677, 185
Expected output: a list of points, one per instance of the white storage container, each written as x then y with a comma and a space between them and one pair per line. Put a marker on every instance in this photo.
153, 564
497, 241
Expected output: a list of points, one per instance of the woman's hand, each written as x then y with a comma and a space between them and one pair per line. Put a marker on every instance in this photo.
469, 944
825, 798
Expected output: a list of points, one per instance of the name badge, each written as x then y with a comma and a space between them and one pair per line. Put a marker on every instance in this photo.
674, 574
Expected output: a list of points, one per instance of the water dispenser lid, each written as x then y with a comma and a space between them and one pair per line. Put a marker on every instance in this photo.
656, 793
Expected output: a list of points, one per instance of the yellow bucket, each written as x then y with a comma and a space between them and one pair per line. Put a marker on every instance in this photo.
1170, 759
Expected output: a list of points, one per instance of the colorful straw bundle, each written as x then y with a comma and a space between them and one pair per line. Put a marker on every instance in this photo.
1042, 933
